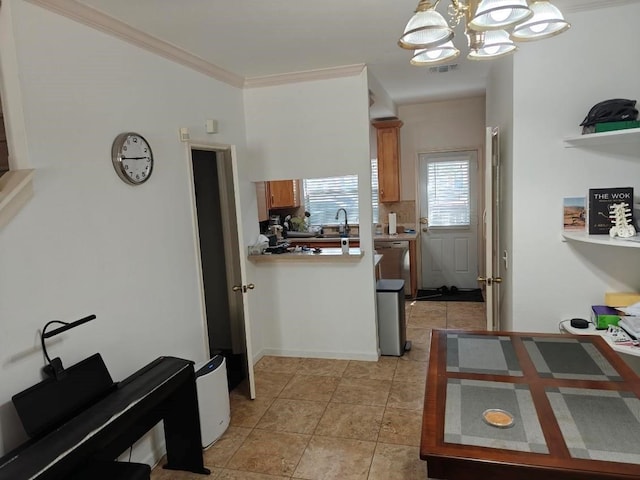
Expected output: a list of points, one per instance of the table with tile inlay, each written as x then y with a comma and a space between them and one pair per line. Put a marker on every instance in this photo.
575, 405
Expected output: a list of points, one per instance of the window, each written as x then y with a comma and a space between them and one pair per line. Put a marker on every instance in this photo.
324, 196
448, 192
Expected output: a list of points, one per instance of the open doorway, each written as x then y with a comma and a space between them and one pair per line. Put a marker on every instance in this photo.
219, 257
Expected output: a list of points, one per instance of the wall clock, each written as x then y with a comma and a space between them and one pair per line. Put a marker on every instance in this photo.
132, 158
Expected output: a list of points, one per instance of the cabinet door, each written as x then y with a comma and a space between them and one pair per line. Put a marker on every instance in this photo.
283, 194
263, 207
388, 140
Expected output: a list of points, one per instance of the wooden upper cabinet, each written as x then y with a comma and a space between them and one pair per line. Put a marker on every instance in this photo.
263, 201
388, 140
284, 194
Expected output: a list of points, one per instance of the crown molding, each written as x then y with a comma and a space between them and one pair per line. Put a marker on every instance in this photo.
100, 21
305, 76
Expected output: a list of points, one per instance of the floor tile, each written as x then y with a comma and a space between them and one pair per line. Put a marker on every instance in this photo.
246, 412
419, 335
383, 369
270, 384
160, 473
411, 372
406, 395
220, 452
294, 416
351, 421
310, 387
328, 458
397, 462
362, 391
240, 475
419, 353
273, 453
402, 427
322, 366
278, 364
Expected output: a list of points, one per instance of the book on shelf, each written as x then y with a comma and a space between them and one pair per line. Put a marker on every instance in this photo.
600, 199
574, 214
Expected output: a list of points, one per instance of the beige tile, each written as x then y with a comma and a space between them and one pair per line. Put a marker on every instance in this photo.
415, 372
246, 412
220, 452
402, 427
273, 453
461, 323
427, 320
240, 475
278, 364
466, 315
322, 366
406, 395
383, 369
351, 421
362, 391
294, 416
160, 473
419, 353
270, 384
420, 306
310, 387
397, 462
327, 458
419, 335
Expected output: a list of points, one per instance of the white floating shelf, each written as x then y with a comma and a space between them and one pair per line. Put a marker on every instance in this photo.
601, 239
630, 135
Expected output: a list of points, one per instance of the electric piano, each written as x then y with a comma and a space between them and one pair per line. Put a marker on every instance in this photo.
164, 390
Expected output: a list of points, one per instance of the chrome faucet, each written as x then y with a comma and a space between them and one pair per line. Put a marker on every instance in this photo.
343, 229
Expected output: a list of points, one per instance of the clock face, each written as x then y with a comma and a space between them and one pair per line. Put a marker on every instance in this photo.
132, 158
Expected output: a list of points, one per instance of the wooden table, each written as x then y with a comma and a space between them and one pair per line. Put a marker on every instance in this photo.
574, 402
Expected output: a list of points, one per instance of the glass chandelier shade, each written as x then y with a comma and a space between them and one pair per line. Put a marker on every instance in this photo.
426, 29
436, 55
496, 44
499, 14
546, 21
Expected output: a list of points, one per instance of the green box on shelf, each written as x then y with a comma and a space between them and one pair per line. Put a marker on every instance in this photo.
602, 316
611, 126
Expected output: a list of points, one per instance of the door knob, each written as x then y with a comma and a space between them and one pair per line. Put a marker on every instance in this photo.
424, 220
237, 288
251, 286
489, 281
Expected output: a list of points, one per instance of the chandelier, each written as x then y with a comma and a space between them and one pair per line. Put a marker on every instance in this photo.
491, 27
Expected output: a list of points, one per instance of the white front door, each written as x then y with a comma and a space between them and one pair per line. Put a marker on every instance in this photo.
449, 219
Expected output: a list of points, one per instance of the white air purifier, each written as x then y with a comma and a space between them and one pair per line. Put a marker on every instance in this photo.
213, 399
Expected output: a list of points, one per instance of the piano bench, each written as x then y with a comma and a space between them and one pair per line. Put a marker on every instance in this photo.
102, 470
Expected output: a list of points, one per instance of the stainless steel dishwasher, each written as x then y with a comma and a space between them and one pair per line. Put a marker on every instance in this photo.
395, 261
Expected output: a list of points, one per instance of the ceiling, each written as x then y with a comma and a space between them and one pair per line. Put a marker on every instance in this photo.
254, 39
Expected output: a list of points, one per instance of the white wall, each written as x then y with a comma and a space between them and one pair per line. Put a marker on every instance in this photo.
87, 242
437, 126
556, 82
500, 114
305, 130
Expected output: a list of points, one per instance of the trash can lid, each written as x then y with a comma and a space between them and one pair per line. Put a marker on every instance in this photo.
389, 285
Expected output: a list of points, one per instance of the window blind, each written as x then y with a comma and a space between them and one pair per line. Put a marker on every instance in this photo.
448, 193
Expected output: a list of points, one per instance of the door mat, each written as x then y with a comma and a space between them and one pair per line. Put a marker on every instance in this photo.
474, 295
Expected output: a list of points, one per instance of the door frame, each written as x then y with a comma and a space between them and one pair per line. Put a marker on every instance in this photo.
480, 194
229, 171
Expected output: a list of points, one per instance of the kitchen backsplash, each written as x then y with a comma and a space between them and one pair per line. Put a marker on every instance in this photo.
405, 213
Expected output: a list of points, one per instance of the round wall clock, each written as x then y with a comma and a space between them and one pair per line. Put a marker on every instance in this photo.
132, 158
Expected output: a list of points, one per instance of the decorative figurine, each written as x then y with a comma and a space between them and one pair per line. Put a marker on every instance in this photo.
620, 215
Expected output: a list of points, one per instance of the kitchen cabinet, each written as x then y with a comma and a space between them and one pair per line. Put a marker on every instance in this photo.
388, 141
629, 137
284, 193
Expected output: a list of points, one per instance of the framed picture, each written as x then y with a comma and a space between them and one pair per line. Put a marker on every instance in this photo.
574, 213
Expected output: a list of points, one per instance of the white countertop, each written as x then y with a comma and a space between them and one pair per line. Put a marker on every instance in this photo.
591, 330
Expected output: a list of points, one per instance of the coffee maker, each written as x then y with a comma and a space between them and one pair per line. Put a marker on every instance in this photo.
275, 229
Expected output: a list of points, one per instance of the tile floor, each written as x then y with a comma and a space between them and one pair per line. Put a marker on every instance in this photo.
317, 419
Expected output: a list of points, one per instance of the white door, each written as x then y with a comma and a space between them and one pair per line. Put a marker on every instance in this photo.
449, 219
491, 279
235, 283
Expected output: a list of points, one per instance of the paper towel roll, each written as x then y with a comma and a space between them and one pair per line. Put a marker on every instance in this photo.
392, 223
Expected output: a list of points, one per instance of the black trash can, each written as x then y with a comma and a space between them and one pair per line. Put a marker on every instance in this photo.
392, 331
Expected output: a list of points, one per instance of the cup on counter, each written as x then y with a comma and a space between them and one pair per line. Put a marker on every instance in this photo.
344, 243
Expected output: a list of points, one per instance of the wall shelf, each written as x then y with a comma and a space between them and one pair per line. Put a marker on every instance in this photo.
601, 239
630, 135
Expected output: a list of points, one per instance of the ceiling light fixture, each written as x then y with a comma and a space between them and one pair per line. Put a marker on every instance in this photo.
486, 26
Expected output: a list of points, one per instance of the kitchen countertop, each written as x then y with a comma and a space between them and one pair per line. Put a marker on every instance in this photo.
381, 237
394, 238
327, 255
